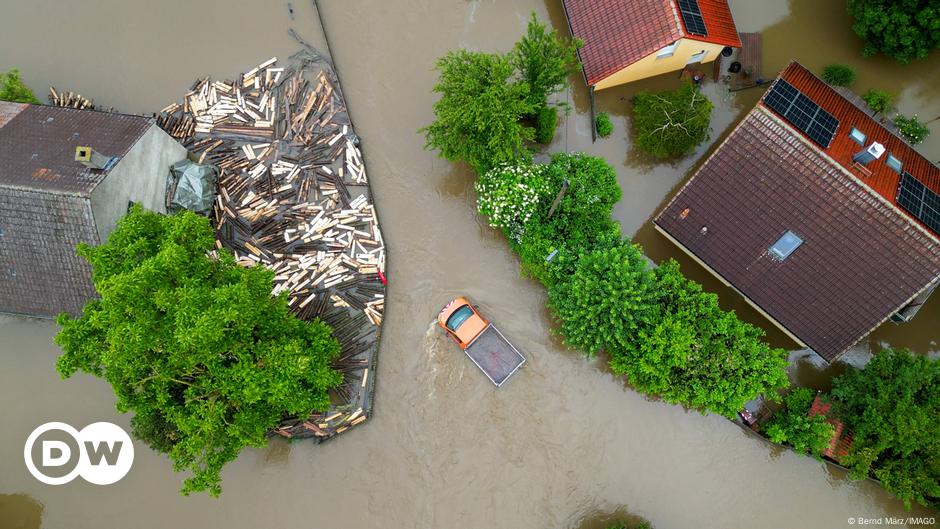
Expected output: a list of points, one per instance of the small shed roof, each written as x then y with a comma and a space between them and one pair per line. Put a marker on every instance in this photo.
841, 440
618, 33
37, 145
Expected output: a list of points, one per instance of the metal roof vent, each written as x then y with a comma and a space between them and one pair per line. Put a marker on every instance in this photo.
873, 152
785, 245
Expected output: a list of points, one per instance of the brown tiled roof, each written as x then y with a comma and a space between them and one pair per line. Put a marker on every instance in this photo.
37, 146
40, 274
876, 175
861, 259
618, 33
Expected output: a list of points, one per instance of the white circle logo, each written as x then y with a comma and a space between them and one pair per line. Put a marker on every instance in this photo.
56, 453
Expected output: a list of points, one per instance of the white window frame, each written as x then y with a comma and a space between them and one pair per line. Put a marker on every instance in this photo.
697, 57
900, 168
852, 134
667, 51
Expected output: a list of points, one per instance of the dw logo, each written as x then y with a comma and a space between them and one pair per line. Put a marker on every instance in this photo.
55, 453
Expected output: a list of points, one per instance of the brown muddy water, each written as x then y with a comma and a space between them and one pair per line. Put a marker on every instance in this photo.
563, 441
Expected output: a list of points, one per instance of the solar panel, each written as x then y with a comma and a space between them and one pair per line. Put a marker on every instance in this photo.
819, 125
921, 202
692, 17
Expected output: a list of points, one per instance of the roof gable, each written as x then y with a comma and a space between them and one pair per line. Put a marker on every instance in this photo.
37, 145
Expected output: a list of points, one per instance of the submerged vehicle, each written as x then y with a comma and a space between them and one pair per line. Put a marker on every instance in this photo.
483, 343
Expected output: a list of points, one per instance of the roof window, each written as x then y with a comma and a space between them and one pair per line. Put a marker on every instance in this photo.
857, 136
894, 163
785, 245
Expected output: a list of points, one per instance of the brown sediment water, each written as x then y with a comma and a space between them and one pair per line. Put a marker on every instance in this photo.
561, 441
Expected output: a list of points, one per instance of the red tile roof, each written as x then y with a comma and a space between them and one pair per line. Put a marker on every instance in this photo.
618, 33
876, 175
861, 261
842, 437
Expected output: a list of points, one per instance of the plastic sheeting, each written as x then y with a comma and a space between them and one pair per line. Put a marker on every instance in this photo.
191, 186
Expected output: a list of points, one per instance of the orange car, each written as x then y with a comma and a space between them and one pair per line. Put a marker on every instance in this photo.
482, 342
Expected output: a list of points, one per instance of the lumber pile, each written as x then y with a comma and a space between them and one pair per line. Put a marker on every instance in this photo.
69, 100
293, 196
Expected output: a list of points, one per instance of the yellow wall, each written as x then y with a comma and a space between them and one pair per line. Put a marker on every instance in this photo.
650, 66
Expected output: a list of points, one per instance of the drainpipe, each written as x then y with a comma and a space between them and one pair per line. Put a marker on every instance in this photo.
593, 120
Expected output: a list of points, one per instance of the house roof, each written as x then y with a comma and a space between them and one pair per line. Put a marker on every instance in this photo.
852, 112
37, 145
841, 440
861, 260
618, 33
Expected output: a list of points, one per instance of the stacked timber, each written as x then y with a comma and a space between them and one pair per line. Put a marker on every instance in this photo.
293, 196
69, 100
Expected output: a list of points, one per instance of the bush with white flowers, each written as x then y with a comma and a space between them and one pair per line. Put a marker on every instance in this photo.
509, 195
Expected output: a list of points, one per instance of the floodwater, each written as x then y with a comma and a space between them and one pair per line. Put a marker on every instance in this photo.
562, 442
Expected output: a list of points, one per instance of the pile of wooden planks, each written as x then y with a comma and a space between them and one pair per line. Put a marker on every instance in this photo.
293, 196
69, 100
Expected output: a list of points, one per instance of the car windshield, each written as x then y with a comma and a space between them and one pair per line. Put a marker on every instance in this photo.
458, 317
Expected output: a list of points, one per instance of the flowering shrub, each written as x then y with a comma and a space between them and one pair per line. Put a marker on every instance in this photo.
509, 196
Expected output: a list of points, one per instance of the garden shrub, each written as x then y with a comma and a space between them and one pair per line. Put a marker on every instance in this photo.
509, 196
911, 129
902, 30
794, 426
879, 100
546, 121
13, 89
603, 124
838, 74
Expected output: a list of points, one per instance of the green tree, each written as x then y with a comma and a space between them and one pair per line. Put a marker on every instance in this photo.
581, 222
544, 60
671, 122
911, 129
880, 101
838, 74
695, 354
901, 29
479, 112
603, 124
607, 299
13, 89
194, 344
793, 424
893, 409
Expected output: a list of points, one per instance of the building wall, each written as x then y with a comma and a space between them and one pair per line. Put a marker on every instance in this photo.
652, 66
139, 177
40, 273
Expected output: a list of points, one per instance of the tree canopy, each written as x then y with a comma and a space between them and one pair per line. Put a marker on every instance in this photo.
696, 354
671, 122
901, 29
479, 112
893, 409
793, 424
606, 301
544, 60
13, 89
194, 344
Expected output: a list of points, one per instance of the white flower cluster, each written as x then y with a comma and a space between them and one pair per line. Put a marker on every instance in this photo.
509, 196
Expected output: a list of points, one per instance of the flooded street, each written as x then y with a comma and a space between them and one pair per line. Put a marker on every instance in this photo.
562, 441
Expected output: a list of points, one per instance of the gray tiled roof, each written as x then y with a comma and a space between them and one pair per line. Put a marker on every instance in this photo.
861, 259
37, 146
40, 274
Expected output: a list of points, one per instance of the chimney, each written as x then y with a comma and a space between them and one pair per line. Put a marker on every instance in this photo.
93, 159
873, 152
